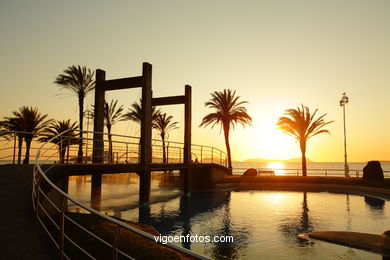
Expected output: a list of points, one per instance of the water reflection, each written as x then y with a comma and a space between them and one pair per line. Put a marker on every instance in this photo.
375, 204
292, 227
349, 215
263, 223
228, 249
166, 222
181, 221
96, 191
115, 193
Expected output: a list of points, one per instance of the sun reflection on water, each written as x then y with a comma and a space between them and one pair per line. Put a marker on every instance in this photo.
275, 198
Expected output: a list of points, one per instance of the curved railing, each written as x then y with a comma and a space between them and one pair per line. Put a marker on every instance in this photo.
50, 203
125, 149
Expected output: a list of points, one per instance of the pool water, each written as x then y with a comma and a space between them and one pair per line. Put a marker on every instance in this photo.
264, 224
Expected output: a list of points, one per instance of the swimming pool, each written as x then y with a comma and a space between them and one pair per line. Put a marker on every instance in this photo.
264, 224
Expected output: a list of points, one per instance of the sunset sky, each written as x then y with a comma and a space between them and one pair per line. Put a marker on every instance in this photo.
275, 54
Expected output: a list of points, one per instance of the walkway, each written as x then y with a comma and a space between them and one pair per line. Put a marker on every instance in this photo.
21, 236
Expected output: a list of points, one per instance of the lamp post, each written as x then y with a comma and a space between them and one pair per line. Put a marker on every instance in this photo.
345, 100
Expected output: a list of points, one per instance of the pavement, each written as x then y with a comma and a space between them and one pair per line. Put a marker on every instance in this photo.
21, 236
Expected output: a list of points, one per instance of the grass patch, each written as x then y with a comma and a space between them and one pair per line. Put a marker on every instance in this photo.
129, 242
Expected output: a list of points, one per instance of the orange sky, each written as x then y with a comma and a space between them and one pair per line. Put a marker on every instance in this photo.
276, 54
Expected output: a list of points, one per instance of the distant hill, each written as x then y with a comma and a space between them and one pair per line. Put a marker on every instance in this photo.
276, 160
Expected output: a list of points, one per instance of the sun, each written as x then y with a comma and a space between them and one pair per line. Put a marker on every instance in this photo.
276, 144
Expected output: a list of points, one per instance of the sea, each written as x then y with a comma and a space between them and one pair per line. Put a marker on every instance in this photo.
293, 168
313, 168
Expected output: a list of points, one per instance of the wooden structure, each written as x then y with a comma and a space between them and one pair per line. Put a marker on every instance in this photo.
145, 83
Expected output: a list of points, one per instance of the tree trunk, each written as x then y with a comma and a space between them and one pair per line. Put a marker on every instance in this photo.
226, 133
20, 146
67, 154
62, 151
163, 147
303, 150
27, 156
81, 116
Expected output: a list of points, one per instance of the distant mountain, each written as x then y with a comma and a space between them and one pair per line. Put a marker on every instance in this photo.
276, 160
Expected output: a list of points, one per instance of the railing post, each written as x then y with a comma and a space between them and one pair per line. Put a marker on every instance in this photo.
326, 173
38, 184
13, 157
61, 147
220, 157
116, 243
127, 151
67, 152
62, 227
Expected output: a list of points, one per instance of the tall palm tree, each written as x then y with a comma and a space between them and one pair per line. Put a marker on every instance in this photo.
135, 112
163, 124
15, 126
64, 141
80, 81
301, 125
33, 123
135, 115
228, 112
112, 115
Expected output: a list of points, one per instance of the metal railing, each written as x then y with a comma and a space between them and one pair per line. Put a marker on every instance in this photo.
50, 204
124, 149
9, 145
310, 172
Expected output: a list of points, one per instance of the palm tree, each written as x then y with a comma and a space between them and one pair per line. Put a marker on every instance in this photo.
135, 115
80, 81
15, 126
112, 115
164, 125
229, 112
135, 112
64, 141
32, 123
301, 125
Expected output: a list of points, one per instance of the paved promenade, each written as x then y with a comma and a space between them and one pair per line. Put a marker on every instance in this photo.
21, 236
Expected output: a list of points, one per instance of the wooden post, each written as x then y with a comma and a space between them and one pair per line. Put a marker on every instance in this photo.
146, 133
187, 137
98, 123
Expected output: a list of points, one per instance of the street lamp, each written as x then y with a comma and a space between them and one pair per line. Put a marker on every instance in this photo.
344, 100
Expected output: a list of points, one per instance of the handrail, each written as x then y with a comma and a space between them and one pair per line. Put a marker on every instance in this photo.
39, 174
297, 171
124, 148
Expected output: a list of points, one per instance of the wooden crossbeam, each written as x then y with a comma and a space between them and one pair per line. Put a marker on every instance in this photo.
113, 84
173, 100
